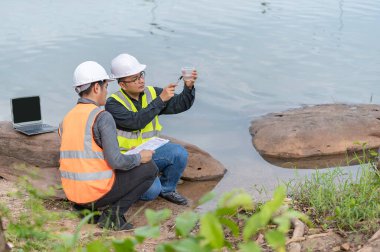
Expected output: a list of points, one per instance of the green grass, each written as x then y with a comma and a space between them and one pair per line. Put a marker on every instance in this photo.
337, 199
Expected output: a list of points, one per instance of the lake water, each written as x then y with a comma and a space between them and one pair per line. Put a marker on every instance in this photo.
253, 57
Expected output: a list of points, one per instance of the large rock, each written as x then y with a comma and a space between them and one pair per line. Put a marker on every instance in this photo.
19, 153
39, 150
201, 165
313, 135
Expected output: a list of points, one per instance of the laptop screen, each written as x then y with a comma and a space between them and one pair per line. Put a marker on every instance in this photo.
26, 109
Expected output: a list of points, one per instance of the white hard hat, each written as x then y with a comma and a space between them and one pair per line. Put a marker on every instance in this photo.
125, 65
88, 72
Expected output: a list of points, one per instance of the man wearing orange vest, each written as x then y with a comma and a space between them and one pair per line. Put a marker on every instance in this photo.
94, 173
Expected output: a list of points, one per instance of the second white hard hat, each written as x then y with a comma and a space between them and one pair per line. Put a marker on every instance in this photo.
125, 65
88, 72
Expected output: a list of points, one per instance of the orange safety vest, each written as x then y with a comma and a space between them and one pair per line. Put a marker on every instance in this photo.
85, 174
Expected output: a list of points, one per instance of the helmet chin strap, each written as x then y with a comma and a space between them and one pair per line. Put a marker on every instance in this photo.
82, 88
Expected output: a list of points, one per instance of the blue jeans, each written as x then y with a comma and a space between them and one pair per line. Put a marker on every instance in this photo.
153, 191
171, 160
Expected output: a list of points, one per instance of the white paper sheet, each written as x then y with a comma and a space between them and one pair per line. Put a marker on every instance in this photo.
152, 144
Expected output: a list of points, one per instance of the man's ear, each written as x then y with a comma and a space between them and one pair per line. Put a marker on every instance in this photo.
96, 88
122, 85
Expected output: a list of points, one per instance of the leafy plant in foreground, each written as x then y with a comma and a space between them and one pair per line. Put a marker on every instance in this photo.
233, 225
236, 215
214, 226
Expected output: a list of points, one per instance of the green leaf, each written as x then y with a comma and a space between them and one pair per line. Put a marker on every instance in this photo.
254, 224
205, 198
154, 218
283, 223
97, 246
165, 248
357, 143
262, 218
239, 199
276, 240
185, 223
231, 225
212, 230
249, 247
189, 245
277, 201
126, 245
295, 214
225, 197
225, 211
142, 233
373, 153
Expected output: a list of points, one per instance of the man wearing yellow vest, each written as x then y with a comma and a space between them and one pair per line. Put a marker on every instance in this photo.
94, 173
136, 107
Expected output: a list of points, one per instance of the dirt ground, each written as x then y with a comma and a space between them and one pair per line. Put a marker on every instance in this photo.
313, 240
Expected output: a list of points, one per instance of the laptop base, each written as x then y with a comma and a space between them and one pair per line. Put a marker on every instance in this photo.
35, 131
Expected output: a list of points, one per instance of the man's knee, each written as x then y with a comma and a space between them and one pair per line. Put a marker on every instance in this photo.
181, 153
149, 169
153, 191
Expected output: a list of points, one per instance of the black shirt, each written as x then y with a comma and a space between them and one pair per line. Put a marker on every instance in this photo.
129, 120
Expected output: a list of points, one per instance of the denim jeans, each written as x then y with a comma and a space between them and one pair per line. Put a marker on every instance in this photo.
153, 191
171, 160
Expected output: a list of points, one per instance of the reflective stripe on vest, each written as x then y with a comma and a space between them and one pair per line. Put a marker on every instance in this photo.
85, 175
129, 139
81, 154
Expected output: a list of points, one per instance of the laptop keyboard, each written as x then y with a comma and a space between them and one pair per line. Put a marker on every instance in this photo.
35, 127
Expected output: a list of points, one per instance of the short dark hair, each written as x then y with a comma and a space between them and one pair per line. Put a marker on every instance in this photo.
88, 90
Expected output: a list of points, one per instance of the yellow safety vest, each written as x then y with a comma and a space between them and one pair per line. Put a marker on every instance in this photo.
129, 139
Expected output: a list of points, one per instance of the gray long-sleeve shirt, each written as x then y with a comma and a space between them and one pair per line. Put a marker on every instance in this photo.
104, 130
130, 121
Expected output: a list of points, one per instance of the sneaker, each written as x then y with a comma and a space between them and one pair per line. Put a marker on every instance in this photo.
174, 197
109, 221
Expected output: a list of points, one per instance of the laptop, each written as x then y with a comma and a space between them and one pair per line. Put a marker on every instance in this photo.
26, 115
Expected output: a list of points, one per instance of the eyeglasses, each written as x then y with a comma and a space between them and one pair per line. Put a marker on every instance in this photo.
138, 77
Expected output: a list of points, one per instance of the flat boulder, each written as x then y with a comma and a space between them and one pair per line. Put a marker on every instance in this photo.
201, 165
38, 157
314, 135
39, 150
